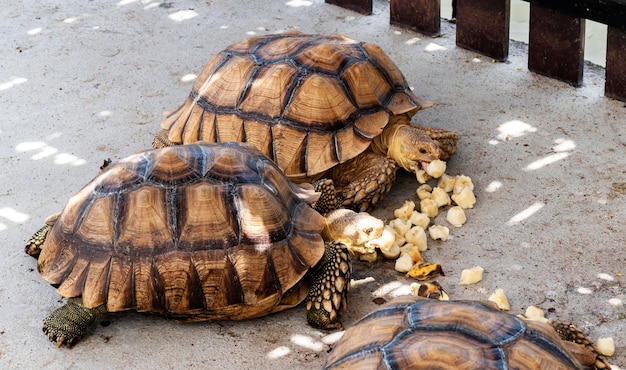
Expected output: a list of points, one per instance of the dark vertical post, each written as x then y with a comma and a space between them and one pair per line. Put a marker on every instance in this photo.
615, 86
360, 6
556, 44
423, 16
483, 26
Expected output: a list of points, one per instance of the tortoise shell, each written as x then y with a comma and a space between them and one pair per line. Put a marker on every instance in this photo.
413, 333
308, 102
207, 231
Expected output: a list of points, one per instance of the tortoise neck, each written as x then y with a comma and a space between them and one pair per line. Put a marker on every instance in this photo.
383, 142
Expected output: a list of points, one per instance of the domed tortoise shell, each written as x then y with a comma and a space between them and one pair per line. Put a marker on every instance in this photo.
308, 102
208, 231
410, 333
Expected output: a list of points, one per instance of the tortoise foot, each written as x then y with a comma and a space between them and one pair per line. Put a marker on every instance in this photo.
68, 323
329, 290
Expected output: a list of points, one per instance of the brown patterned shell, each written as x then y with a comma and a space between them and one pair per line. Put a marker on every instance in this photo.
308, 102
209, 231
411, 333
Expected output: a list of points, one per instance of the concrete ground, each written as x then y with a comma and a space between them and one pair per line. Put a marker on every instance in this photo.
83, 81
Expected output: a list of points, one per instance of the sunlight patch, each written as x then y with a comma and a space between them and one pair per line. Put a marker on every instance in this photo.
188, 77
307, 342
493, 186
2, 226
13, 82
394, 288
412, 41
606, 277
104, 113
615, 302
514, 128
518, 218
332, 338
65, 158
298, 3
182, 15
27, 146
546, 161
583, 290
126, 2
44, 152
34, 31
434, 47
563, 145
13, 215
279, 352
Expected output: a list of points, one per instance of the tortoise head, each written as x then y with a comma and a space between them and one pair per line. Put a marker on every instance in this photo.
412, 148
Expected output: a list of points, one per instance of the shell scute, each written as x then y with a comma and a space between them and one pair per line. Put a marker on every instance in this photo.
330, 57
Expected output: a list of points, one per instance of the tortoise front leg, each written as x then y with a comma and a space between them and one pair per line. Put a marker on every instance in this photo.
34, 244
329, 288
580, 345
364, 180
68, 323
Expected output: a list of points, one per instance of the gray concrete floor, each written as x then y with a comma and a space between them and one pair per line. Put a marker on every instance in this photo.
83, 81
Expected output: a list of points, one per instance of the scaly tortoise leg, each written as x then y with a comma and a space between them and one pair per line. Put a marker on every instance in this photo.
34, 244
68, 323
364, 180
580, 345
328, 197
161, 140
329, 288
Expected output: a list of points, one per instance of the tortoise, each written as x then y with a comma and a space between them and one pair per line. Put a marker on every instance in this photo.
418, 333
196, 232
319, 106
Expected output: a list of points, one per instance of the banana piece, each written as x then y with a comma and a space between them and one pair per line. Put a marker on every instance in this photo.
499, 298
606, 346
423, 191
439, 232
446, 182
404, 263
440, 197
456, 216
436, 168
471, 276
429, 207
417, 237
465, 198
404, 212
420, 219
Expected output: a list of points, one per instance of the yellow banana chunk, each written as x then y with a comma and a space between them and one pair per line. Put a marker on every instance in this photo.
425, 271
429, 207
499, 298
423, 191
404, 212
436, 168
606, 346
439, 232
471, 276
446, 182
456, 216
